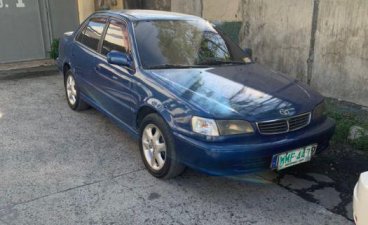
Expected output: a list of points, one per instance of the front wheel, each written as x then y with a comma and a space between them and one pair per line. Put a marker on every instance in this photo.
158, 148
72, 93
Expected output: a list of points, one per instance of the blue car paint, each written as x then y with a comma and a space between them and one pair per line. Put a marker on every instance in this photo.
249, 92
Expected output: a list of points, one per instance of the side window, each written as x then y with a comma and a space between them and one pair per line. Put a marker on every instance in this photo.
80, 36
91, 34
116, 38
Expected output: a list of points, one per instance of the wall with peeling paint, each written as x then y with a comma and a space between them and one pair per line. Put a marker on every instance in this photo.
341, 52
228, 11
193, 7
335, 56
278, 31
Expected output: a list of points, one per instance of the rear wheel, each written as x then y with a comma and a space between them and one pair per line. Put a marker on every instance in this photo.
158, 149
72, 93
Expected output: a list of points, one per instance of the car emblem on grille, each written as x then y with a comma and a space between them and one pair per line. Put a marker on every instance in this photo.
287, 112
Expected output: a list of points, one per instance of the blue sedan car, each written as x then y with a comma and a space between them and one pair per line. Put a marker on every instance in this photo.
190, 95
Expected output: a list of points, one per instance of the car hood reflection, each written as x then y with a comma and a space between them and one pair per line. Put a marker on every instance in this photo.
250, 91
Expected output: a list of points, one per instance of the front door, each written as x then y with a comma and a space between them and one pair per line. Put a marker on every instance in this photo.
116, 81
84, 58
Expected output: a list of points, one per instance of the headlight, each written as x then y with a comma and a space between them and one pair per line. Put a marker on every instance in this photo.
211, 127
319, 111
204, 126
228, 127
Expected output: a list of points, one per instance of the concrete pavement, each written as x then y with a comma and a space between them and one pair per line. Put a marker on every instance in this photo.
63, 167
31, 68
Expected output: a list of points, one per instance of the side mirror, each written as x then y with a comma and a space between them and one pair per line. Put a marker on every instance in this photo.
119, 58
248, 52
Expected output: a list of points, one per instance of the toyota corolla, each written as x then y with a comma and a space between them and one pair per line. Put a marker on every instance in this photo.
190, 95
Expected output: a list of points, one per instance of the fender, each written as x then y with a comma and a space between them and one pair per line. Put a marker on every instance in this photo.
178, 122
159, 107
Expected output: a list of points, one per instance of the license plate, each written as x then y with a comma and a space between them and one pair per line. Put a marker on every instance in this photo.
294, 157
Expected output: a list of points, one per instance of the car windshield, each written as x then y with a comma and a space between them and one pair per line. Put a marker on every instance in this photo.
184, 43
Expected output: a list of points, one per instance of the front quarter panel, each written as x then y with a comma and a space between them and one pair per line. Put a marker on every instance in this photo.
174, 111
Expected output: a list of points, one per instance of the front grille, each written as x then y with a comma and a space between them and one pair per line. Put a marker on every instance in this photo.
284, 125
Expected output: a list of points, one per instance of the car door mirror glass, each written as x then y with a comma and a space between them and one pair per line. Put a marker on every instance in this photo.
119, 58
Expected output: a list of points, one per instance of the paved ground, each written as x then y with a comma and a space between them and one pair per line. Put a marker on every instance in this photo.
62, 167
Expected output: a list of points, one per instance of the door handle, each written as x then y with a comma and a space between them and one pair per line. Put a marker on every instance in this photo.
115, 77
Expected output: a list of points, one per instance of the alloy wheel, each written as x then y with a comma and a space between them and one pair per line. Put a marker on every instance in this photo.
154, 147
71, 90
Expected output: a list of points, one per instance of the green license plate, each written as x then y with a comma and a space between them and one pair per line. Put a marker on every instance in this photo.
294, 157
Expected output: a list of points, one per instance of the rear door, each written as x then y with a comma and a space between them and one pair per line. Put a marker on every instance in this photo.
84, 54
116, 81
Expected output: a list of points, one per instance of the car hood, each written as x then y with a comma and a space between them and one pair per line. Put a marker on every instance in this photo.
250, 91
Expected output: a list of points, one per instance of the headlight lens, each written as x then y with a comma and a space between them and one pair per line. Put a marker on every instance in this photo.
319, 111
211, 127
229, 127
204, 126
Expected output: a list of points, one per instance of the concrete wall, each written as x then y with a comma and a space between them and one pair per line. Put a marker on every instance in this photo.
209, 9
157, 4
341, 53
148, 4
87, 7
229, 10
279, 33
193, 7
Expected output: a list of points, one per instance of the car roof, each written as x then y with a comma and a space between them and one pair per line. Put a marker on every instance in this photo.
138, 15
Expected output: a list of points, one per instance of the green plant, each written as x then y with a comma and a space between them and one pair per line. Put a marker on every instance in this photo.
345, 118
54, 52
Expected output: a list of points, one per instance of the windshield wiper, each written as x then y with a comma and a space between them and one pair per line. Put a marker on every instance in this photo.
218, 62
174, 66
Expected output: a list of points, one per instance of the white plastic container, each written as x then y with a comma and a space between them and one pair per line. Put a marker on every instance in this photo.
360, 203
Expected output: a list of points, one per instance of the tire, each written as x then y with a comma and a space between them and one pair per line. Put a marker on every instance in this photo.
73, 94
160, 163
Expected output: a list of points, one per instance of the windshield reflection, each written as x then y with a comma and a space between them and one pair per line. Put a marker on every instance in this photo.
183, 43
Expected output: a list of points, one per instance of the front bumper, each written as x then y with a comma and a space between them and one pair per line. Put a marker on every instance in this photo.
228, 158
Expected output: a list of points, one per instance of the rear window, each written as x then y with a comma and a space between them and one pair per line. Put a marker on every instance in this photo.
92, 32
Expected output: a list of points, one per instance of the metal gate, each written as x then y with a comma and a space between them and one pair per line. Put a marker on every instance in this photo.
21, 35
28, 26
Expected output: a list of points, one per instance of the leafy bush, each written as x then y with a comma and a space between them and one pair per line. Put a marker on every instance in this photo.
54, 53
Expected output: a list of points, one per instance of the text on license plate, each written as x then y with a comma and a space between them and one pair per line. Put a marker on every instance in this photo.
291, 158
